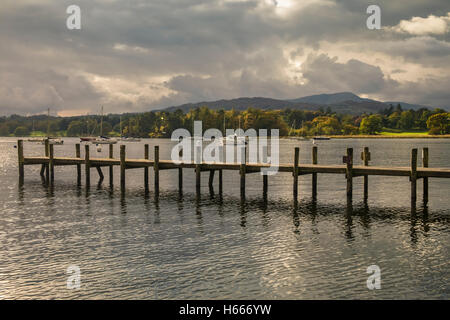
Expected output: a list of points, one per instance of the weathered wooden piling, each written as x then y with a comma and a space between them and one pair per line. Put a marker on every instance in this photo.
425, 158
51, 163
413, 177
111, 167
78, 155
265, 175
122, 167
211, 179
314, 175
180, 175
349, 173
365, 157
21, 161
295, 172
156, 170
47, 152
146, 157
87, 166
220, 181
243, 170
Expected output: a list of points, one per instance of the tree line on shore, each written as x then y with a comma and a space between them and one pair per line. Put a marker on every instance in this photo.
161, 124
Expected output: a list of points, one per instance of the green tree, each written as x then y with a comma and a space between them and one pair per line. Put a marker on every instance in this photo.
76, 128
439, 123
21, 131
371, 124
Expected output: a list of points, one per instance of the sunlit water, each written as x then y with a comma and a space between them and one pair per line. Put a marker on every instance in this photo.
132, 247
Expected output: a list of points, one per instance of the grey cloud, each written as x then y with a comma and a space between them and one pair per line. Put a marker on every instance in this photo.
208, 49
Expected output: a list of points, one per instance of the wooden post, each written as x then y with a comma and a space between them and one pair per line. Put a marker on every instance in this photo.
220, 182
211, 179
349, 173
78, 155
51, 164
100, 173
314, 175
295, 172
156, 170
221, 158
21, 161
47, 152
198, 169
243, 170
146, 157
366, 159
413, 177
87, 165
122, 167
265, 176
111, 168
180, 175
425, 158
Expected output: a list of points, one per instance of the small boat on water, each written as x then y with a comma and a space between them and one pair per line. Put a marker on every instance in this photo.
321, 138
103, 140
86, 139
130, 139
38, 140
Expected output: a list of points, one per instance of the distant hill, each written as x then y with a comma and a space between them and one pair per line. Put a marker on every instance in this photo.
342, 102
331, 98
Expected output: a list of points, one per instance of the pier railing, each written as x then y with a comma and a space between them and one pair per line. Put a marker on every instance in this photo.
49, 161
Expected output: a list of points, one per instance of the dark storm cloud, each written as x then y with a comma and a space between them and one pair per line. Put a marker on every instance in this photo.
137, 55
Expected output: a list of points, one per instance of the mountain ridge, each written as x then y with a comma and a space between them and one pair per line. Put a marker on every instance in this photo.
341, 102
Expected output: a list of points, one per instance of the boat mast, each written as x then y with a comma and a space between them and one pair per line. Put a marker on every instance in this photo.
48, 122
121, 126
101, 124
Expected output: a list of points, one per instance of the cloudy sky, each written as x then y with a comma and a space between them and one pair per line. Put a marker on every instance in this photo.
140, 55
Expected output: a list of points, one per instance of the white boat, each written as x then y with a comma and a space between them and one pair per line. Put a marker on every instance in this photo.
38, 140
103, 140
130, 139
54, 141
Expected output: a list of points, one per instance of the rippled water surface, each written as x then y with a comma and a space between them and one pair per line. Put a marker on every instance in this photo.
133, 247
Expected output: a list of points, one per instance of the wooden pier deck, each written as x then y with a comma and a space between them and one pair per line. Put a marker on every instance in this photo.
48, 162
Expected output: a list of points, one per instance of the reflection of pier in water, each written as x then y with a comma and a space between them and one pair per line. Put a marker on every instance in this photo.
49, 161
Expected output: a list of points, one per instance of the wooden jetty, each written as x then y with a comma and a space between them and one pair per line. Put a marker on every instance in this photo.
49, 161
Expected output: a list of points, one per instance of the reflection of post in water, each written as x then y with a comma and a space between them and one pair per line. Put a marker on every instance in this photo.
349, 221
123, 203
413, 228
243, 213
199, 216
425, 222
211, 184
296, 217
157, 212
365, 217
21, 194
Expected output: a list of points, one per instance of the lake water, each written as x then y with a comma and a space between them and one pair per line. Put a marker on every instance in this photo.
133, 247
